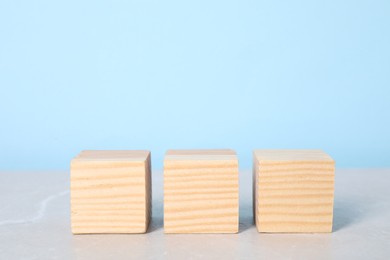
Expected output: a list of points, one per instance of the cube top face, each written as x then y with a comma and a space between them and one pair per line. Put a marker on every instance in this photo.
199, 155
296, 156
110, 192
201, 152
113, 155
293, 191
200, 191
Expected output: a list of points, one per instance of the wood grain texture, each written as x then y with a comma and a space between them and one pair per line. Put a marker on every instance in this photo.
111, 192
201, 191
293, 191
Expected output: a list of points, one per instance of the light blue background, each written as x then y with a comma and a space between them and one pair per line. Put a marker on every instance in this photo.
193, 74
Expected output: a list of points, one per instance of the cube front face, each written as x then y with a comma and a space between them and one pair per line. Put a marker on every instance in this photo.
201, 191
110, 192
293, 191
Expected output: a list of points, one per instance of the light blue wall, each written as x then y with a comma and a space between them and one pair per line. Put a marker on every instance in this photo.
193, 74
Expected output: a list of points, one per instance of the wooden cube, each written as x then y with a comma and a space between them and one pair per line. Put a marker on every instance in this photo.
201, 191
293, 191
110, 192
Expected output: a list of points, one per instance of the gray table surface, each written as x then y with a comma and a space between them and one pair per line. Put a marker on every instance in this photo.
35, 224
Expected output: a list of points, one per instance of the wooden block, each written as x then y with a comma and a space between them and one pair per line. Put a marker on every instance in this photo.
111, 192
201, 191
293, 191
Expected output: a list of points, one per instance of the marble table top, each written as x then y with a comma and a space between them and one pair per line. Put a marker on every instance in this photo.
35, 224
